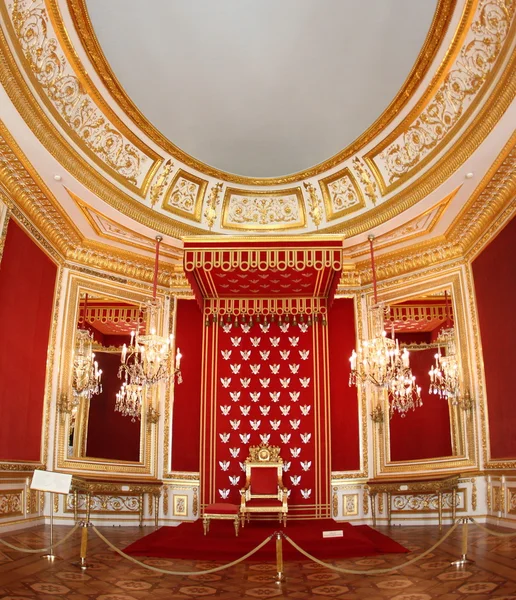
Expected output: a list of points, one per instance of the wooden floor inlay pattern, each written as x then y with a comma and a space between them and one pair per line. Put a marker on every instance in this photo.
111, 577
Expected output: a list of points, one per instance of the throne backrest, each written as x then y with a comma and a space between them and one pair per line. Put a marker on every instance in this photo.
264, 470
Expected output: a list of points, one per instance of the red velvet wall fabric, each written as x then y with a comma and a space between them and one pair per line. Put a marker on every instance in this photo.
187, 396
345, 442
110, 434
425, 431
494, 272
27, 282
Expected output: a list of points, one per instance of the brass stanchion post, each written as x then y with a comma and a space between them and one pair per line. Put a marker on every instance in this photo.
279, 557
464, 560
51, 556
84, 547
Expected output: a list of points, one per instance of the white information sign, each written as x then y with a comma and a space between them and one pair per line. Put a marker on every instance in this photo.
47, 481
333, 534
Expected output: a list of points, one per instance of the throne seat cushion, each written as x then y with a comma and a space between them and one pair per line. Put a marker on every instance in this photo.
263, 503
264, 480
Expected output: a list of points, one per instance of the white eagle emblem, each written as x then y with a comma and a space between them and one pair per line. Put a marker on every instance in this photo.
235, 396
255, 396
245, 382
305, 437
295, 452
295, 423
242, 466
225, 381
226, 354
224, 494
224, 464
265, 437
236, 341
224, 437
284, 410
265, 354
265, 327
304, 381
286, 466
285, 382
255, 369
275, 424
265, 410
234, 479
244, 437
274, 396
255, 424
225, 410
227, 327
274, 369
284, 327
246, 327
245, 354
256, 341
303, 327
294, 368
306, 493
265, 382
294, 341
245, 410
284, 354
235, 368
285, 437
235, 423
305, 410
294, 396
295, 479
304, 354
275, 341
305, 465
234, 452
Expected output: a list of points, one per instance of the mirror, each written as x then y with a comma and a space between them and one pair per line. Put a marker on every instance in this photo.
98, 429
432, 430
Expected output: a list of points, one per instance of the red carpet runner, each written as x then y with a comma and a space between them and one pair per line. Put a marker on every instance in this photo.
187, 541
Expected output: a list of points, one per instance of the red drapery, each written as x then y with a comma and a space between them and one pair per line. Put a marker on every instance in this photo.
27, 281
494, 272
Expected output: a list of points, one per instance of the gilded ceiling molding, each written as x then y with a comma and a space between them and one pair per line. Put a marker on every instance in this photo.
185, 195
341, 194
74, 102
43, 128
423, 133
263, 210
85, 31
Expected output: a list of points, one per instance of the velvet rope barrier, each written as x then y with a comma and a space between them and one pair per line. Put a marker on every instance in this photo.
183, 573
371, 571
490, 531
36, 550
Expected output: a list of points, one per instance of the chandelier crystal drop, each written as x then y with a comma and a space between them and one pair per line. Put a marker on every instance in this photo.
86, 375
379, 362
129, 400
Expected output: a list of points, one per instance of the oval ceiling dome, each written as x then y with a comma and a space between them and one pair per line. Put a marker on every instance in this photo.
261, 88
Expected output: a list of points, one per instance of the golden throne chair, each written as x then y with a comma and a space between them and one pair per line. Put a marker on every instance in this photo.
264, 491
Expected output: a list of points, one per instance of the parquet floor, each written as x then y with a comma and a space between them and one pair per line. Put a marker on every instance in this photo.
493, 575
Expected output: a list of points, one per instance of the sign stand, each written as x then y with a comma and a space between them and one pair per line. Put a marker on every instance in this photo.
59, 483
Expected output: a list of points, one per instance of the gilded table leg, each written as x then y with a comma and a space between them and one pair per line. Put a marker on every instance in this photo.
373, 507
75, 505
156, 510
141, 510
440, 508
88, 506
237, 523
206, 524
454, 506
389, 508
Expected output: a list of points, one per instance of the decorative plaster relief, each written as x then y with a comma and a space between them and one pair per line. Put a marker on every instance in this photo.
470, 71
263, 210
185, 195
65, 93
11, 503
341, 194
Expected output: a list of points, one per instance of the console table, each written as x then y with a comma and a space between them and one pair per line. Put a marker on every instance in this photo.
435, 486
96, 486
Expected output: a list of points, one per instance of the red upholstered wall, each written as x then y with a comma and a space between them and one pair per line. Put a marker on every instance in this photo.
27, 281
424, 432
187, 396
110, 434
345, 442
494, 272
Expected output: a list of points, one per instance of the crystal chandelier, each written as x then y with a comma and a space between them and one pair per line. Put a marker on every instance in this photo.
86, 375
444, 375
380, 363
145, 362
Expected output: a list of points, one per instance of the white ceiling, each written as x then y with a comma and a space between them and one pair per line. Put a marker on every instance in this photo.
261, 87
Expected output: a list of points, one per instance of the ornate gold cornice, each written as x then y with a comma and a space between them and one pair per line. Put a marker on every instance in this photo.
90, 43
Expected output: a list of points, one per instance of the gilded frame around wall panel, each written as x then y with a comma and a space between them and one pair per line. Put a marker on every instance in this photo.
462, 422
147, 466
